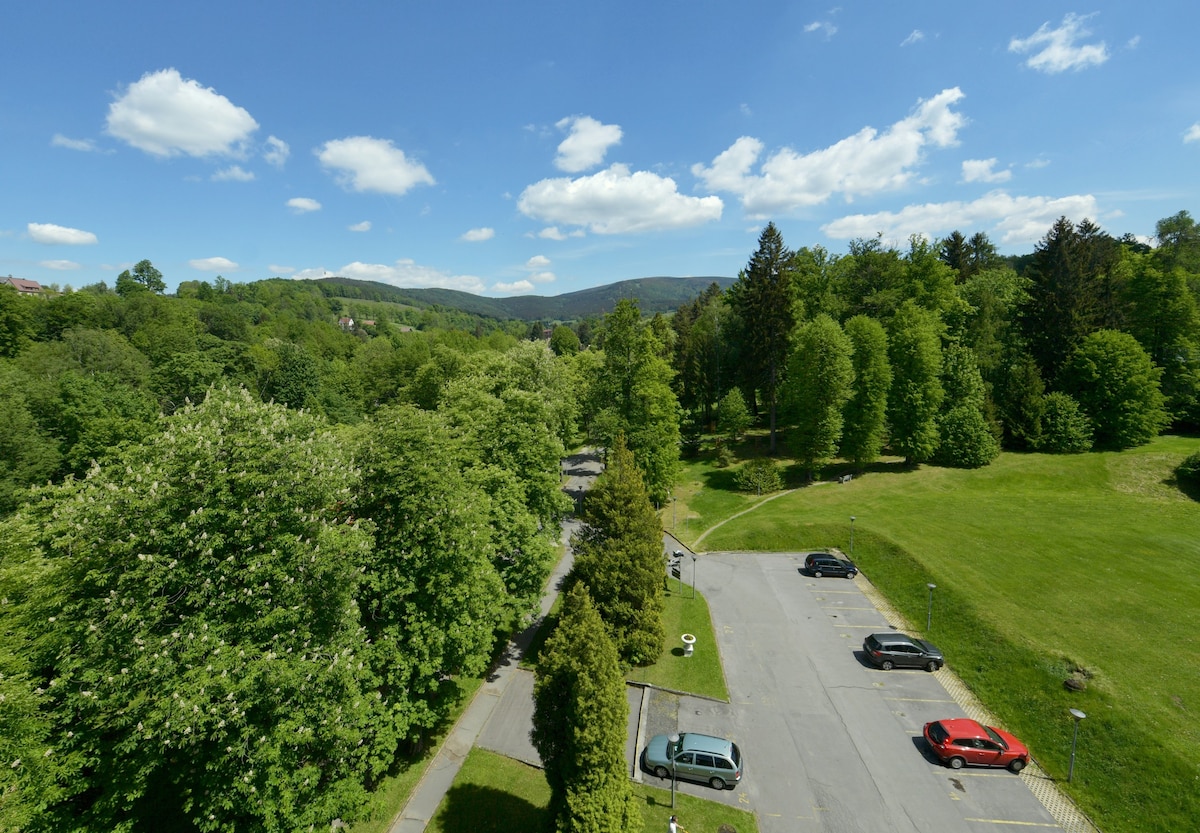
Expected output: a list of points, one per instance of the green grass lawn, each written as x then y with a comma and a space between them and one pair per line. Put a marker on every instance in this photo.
495, 794
701, 673
1043, 564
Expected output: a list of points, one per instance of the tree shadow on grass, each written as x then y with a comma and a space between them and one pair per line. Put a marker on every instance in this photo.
470, 808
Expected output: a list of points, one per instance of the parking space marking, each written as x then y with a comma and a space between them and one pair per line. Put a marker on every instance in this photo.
918, 700
1018, 823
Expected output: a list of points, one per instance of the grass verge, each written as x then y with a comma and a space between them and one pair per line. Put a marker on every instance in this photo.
495, 794
701, 673
393, 793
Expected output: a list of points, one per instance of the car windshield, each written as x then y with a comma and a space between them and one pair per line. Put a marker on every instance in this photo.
737, 754
992, 734
938, 733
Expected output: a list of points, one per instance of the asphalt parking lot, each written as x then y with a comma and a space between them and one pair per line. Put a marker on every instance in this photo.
830, 743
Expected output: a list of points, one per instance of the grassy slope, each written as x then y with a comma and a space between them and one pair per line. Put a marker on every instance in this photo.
1088, 560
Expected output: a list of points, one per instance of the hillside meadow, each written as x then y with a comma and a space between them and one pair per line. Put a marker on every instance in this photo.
1047, 567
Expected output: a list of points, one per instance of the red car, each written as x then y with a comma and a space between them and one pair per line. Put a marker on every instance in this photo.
963, 741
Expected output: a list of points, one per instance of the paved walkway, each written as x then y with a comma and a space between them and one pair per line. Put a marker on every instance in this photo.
580, 470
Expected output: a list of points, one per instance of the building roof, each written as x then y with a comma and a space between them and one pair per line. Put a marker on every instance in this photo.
22, 285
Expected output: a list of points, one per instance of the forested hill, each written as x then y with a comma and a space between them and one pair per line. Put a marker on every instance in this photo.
657, 294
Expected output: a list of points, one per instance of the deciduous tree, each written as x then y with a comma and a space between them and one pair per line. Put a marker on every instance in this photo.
865, 412
1116, 385
915, 398
819, 383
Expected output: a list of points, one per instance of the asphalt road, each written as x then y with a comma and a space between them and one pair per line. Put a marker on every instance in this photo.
830, 743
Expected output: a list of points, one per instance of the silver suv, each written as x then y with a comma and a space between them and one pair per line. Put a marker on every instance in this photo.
695, 757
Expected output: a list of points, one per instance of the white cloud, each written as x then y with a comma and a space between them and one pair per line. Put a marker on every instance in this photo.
277, 152
365, 225
615, 201
1012, 220
586, 145
865, 163
916, 36
478, 235
303, 205
551, 233
407, 273
543, 277
61, 141
513, 288
165, 115
981, 170
213, 264
363, 163
53, 235
60, 265
1055, 50
281, 270
824, 26
537, 262
1193, 133
234, 173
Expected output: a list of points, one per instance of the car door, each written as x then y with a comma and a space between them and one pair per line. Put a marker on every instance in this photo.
908, 656
685, 765
705, 766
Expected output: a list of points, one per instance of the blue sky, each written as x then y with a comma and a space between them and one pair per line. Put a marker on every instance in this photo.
509, 148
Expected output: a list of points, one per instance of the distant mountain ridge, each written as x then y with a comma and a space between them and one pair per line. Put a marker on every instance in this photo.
655, 294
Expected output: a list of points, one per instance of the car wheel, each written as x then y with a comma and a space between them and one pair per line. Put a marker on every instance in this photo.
817, 573
661, 772
851, 574
886, 665
1017, 765
932, 666
956, 762
717, 783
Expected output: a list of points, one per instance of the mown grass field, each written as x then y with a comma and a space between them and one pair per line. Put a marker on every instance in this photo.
1044, 564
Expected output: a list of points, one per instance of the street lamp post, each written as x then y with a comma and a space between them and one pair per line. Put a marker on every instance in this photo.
851, 537
929, 612
693, 575
672, 747
1078, 715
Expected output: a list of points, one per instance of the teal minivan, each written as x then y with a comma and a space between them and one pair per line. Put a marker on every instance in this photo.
695, 757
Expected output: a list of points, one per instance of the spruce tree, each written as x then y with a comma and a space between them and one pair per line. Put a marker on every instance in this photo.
579, 724
763, 300
619, 556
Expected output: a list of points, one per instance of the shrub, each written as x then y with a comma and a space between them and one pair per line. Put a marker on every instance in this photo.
1187, 474
1065, 428
759, 475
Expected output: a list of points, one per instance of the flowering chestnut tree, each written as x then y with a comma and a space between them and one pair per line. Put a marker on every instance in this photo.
194, 649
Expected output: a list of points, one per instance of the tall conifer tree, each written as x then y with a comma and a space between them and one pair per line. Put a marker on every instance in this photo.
579, 724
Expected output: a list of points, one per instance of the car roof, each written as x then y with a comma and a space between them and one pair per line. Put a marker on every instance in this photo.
695, 742
963, 727
894, 638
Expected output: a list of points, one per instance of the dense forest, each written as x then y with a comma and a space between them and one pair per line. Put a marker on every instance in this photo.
251, 534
